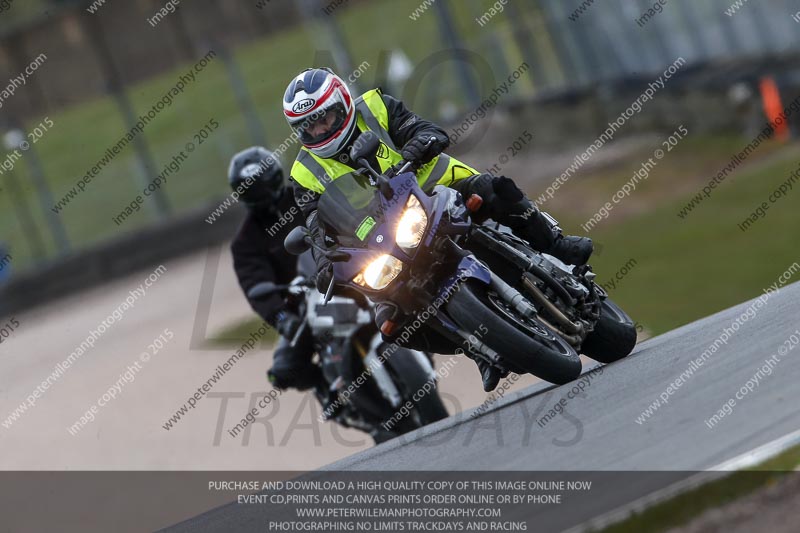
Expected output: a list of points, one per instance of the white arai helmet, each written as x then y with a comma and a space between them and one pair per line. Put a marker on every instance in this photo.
319, 107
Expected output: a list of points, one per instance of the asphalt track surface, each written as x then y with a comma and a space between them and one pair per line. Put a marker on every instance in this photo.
598, 432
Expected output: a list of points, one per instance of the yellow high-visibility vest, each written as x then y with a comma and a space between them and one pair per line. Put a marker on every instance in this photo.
314, 173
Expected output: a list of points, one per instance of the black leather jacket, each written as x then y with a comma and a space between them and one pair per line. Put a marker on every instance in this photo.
259, 255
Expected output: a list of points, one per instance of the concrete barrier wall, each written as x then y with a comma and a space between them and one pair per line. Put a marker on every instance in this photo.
118, 258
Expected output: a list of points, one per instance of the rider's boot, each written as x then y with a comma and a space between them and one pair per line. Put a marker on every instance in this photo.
490, 375
543, 233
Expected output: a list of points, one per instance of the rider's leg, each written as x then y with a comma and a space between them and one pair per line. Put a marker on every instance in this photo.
504, 202
292, 366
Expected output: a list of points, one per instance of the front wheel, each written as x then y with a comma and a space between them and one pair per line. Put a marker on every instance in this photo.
413, 378
525, 342
613, 337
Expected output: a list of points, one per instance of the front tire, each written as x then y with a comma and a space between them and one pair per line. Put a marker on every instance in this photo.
614, 335
410, 378
524, 342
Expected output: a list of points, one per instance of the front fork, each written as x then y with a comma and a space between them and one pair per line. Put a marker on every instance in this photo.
470, 267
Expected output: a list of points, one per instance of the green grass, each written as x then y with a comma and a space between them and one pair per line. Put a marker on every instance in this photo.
233, 335
19, 12
681, 509
688, 269
82, 133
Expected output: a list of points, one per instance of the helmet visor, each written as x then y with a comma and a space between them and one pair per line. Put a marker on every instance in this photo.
321, 126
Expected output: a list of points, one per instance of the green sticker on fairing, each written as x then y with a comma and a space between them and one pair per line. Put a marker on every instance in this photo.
365, 227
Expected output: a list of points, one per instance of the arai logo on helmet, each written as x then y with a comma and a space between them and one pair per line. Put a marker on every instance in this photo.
251, 170
303, 105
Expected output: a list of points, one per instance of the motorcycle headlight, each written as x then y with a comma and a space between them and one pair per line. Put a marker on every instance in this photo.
412, 224
380, 272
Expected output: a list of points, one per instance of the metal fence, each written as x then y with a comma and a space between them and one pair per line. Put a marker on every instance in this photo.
610, 39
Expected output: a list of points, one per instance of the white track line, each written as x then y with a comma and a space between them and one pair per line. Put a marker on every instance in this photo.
724, 469
760, 454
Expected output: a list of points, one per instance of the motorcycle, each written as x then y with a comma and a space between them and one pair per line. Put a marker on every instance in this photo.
366, 381
393, 242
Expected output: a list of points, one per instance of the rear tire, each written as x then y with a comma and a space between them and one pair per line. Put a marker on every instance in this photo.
614, 335
525, 342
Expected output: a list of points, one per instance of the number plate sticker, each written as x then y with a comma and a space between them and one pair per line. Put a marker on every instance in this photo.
365, 228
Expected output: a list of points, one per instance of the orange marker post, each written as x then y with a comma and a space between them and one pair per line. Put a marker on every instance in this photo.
773, 107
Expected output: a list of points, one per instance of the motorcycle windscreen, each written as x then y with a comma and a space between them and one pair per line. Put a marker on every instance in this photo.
350, 208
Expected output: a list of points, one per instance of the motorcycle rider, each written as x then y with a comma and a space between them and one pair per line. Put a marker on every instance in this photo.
321, 110
256, 176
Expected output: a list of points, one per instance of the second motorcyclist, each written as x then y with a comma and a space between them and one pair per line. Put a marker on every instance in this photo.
259, 257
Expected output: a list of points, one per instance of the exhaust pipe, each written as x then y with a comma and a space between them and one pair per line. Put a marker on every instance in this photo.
570, 327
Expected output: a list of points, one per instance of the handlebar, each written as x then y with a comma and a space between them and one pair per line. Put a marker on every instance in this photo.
410, 166
405, 166
262, 291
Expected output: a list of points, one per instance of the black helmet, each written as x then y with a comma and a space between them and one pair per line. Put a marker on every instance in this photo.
256, 176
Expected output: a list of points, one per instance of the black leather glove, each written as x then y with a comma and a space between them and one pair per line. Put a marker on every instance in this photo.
501, 198
287, 323
421, 149
324, 266
324, 277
